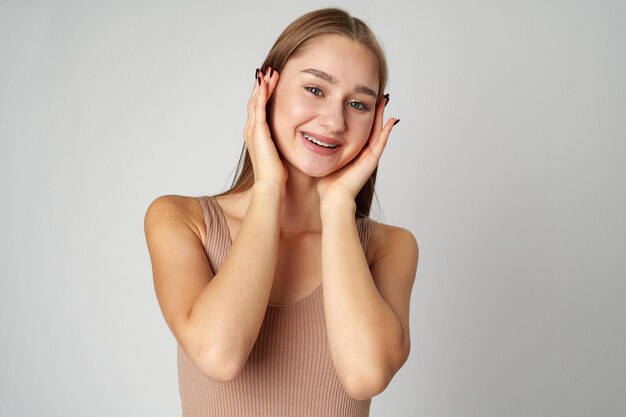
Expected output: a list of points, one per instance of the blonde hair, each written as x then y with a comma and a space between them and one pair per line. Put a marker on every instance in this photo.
289, 44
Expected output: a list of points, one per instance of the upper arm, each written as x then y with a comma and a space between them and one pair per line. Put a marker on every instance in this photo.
180, 266
393, 267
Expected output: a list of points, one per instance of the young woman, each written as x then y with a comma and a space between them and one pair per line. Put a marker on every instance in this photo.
284, 297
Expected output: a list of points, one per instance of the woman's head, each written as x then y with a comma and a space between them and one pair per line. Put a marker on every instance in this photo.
301, 40
322, 110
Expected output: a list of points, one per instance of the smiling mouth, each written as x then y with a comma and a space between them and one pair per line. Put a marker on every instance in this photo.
318, 142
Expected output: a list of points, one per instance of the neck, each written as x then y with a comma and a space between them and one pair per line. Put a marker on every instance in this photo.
301, 204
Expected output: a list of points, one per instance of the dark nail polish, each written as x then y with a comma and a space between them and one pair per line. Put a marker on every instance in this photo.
256, 73
258, 79
396, 122
386, 96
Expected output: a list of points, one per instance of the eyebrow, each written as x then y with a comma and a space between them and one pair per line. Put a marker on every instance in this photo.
359, 88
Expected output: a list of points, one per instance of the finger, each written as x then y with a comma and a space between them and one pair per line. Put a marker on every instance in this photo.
251, 108
249, 125
261, 101
252, 101
273, 83
271, 78
377, 125
380, 144
380, 112
255, 88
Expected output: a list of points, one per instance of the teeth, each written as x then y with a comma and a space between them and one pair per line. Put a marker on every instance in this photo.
318, 142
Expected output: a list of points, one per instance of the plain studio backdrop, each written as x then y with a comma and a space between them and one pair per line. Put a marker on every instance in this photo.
508, 167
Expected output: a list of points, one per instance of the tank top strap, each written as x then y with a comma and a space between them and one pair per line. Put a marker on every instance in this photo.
217, 241
364, 226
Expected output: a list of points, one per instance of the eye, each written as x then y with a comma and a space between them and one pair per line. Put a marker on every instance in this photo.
357, 105
314, 90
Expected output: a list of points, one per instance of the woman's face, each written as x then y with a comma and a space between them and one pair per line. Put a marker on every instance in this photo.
322, 110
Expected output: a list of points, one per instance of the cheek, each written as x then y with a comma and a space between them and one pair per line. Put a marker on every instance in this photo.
293, 108
363, 129
287, 111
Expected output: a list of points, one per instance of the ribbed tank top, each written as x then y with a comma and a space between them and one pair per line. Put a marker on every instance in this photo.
289, 372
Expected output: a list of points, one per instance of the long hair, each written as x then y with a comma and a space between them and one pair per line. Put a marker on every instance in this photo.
312, 24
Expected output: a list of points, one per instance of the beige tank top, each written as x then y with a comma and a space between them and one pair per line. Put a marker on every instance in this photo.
289, 372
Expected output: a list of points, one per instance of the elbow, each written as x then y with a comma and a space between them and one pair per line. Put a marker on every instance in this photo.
221, 372
220, 368
217, 359
366, 384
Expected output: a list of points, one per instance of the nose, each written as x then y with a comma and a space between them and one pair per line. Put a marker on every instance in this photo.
331, 116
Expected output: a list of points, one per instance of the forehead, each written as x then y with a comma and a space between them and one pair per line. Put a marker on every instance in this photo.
344, 58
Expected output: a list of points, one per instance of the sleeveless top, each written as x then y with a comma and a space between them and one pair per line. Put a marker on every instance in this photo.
289, 372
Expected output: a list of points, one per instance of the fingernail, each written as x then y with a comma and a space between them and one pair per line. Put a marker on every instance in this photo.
258, 79
256, 73
396, 122
386, 96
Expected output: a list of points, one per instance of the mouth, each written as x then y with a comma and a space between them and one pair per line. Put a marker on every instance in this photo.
318, 142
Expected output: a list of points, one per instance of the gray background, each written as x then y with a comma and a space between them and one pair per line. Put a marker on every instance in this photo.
508, 167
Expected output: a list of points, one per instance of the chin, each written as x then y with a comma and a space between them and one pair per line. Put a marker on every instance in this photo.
320, 171
314, 170
319, 174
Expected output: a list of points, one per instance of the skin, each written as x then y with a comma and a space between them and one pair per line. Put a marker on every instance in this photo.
303, 101
295, 225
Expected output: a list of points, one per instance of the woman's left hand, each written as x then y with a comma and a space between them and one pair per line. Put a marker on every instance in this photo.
348, 181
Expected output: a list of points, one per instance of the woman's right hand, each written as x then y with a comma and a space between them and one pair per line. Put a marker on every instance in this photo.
268, 167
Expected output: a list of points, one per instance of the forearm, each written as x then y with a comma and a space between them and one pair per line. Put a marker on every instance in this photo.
230, 310
363, 330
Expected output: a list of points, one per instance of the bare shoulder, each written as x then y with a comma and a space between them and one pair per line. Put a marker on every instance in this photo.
178, 209
385, 239
393, 254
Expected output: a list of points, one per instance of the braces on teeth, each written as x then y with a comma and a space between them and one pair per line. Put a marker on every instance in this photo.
317, 142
